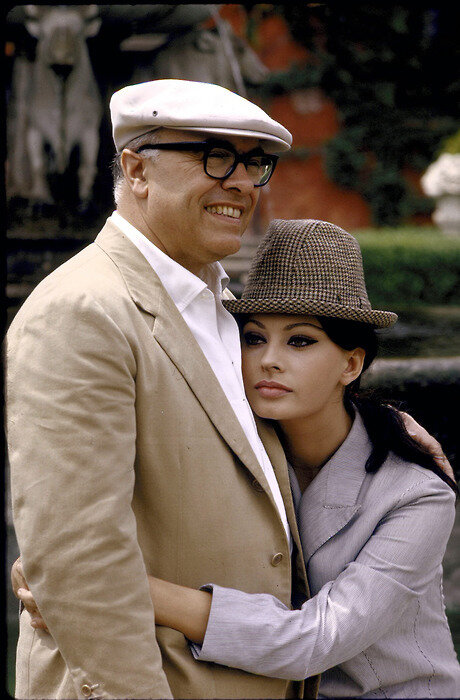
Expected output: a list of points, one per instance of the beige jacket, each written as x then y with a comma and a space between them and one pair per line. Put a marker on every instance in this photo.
126, 458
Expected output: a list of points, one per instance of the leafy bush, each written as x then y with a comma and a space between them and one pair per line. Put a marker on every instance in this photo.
390, 71
410, 266
452, 144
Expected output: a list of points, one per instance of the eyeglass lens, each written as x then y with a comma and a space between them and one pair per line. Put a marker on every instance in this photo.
219, 162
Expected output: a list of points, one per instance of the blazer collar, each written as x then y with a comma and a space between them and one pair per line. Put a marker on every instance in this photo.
176, 339
331, 500
143, 283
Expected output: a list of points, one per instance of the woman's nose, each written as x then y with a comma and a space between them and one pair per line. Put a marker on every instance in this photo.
270, 361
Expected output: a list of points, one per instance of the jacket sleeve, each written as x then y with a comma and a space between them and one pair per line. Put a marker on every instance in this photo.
257, 633
71, 433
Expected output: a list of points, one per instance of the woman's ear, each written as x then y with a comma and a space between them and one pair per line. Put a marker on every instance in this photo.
354, 365
134, 169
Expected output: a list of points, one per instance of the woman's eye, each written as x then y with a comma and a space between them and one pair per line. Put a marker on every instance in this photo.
301, 341
252, 338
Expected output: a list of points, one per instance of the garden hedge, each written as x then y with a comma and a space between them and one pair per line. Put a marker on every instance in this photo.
409, 267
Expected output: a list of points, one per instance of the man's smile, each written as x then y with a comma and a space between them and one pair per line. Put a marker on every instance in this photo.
226, 210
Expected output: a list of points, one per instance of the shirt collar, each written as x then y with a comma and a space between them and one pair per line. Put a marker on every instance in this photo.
181, 284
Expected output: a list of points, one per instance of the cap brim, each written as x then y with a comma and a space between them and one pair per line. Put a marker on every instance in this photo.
268, 141
377, 319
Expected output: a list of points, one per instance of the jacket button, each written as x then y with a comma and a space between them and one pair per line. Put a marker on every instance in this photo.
86, 690
276, 559
257, 486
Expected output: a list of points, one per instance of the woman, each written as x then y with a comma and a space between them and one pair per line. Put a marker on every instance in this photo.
374, 510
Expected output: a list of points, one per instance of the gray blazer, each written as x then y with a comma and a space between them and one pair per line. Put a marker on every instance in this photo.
376, 626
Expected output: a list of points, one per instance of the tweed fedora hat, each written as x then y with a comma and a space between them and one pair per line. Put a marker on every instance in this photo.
309, 267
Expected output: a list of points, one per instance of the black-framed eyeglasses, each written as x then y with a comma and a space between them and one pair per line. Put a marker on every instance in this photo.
220, 159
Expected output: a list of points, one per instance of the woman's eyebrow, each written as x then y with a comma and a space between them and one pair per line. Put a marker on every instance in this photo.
257, 323
290, 326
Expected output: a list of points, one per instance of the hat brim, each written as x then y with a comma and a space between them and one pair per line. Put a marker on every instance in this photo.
377, 319
268, 141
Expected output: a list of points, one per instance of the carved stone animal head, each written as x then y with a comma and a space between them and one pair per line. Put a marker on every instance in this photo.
60, 31
253, 71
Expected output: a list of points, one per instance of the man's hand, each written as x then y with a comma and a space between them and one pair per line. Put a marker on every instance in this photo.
21, 591
427, 441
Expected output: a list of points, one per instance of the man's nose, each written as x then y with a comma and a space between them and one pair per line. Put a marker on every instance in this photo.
239, 180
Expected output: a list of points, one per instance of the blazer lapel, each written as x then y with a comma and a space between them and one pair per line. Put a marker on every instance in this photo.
277, 458
331, 500
176, 339
178, 342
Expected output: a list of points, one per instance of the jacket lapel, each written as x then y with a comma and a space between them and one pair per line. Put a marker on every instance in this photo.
176, 339
178, 342
331, 500
277, 458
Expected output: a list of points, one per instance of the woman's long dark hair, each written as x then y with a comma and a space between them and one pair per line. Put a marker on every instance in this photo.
382, 421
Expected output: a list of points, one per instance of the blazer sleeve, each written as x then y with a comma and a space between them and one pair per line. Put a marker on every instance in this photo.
257, 633
71, 432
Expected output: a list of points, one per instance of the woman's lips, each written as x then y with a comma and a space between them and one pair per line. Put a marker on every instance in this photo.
272, 390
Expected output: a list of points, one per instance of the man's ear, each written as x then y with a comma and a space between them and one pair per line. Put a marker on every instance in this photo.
354, 365
134, 169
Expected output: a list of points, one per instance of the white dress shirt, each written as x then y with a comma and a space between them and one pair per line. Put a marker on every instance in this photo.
216, 331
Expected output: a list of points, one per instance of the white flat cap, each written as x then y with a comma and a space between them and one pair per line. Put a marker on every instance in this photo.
192, 106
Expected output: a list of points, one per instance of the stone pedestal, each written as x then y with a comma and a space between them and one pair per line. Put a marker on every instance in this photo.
442, 182
447, 214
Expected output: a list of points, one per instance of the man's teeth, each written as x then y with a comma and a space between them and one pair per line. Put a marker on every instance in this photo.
227, 211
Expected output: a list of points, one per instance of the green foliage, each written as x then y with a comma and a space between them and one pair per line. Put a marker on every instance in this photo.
410, 267
390, 71
381, 184
452, 144
343, 160
386, 192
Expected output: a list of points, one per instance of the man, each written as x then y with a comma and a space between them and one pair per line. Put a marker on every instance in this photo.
132, 446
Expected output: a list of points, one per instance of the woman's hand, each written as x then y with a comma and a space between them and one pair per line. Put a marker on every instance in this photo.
22, 592
184, 609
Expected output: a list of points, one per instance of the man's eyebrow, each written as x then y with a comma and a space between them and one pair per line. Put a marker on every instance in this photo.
257, 149
226, 144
